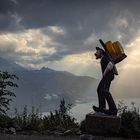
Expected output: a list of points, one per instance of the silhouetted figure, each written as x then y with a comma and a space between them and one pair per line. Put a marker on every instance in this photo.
104, 85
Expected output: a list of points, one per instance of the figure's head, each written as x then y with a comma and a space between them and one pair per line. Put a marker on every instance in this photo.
99, 53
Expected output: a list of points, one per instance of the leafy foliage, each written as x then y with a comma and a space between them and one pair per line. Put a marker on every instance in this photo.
130, 120
6, 121
27, 121
60, 120
6, 81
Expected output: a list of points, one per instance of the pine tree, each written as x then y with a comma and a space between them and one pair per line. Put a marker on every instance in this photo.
6, 81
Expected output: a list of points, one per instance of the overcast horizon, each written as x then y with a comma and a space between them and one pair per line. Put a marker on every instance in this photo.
63, 34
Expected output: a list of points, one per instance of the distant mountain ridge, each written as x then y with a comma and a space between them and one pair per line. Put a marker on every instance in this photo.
45, 87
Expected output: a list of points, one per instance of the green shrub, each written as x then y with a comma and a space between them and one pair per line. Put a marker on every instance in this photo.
130, 121
6, 121
27, 121
60, 120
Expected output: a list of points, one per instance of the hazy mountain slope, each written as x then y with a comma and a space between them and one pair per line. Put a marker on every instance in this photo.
45, 87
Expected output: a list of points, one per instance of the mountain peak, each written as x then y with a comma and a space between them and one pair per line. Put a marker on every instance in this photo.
47, 69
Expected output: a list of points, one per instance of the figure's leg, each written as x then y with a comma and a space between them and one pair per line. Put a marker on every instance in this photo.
101, 97
112, 107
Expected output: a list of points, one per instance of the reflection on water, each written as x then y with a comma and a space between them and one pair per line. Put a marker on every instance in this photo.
80, 110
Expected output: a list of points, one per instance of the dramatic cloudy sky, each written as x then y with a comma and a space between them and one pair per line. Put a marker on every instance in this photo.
62, 34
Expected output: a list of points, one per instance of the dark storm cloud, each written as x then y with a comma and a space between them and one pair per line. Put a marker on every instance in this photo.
6, 6
53, 12
79, 18
90, 14
7, 9
70, 14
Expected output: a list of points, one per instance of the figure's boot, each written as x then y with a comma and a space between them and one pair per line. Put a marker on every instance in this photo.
97, 109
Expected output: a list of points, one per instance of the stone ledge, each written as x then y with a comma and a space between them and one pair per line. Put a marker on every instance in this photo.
102, 124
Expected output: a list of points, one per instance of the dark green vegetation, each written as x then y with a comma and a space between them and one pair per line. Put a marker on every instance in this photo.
33, 122
130, 118
58, 121
6, 81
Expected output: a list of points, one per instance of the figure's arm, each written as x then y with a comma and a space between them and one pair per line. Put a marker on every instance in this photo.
108, 68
